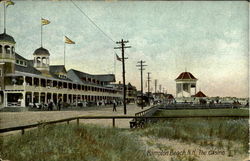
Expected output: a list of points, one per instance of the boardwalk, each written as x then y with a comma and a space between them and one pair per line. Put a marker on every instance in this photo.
11, 119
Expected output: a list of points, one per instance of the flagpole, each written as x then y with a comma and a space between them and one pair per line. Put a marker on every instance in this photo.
64, 52
114, 64
41, 33
4, 5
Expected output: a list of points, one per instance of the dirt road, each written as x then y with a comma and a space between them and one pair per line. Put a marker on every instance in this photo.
12, 119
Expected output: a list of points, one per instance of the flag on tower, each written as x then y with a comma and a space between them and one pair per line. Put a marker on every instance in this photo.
68, 41
45, 22
118, 58
9, 2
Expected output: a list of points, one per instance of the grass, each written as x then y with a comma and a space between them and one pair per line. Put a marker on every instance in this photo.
214, 132
72, 142
199, 112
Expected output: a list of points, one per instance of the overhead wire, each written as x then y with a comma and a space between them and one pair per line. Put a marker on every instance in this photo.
92, 21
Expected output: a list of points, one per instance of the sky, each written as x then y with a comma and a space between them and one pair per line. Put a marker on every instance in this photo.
208, 39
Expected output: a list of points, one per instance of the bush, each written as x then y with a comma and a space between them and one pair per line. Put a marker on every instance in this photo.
69, 142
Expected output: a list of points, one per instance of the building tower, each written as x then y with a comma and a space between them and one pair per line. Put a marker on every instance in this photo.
185, 82
7, 59
41, 59
7, 53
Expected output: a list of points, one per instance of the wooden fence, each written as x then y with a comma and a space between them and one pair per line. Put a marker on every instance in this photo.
113, 118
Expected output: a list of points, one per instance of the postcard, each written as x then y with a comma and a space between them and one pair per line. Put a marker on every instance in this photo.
124, 80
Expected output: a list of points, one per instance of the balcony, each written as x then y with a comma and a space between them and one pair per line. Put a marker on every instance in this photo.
28, 88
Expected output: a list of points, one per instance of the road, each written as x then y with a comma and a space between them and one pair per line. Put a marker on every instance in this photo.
12, 119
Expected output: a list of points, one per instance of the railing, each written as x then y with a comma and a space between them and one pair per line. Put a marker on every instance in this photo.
200, 106
23, 128
14, 104
59, 90
151, 110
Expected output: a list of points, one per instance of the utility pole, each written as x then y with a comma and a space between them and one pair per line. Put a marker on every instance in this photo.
155, 85
148, 83
122, 42
149, 86
141, 65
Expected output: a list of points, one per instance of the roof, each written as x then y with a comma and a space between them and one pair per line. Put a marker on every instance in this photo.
102, 77
170, 96
200, 94
186, 75
57, 68
41, 51
28, 69
7, 38
105, 77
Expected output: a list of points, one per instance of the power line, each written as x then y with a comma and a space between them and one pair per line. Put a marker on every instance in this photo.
92, 21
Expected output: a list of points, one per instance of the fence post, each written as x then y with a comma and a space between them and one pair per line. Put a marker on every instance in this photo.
22, 131
77, 121
67, 122
113, 122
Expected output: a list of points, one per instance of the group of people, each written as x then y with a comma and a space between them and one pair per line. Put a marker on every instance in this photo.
50, 105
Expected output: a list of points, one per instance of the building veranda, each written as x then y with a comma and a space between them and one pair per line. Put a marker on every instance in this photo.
24, 82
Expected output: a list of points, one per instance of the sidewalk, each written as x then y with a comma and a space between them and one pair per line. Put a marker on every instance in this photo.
12, 119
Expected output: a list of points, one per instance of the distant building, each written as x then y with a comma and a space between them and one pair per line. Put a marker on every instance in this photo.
131, 91
24, 81
185, 82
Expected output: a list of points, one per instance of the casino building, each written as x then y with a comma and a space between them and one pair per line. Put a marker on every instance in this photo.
24, 81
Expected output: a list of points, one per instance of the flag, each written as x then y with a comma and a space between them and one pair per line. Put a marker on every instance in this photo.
45, 22
68, 41
118, 58
9, 2
4, 0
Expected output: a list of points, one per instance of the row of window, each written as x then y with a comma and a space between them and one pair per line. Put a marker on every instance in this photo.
21, 62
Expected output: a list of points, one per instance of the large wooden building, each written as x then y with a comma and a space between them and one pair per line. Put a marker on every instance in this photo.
24, 81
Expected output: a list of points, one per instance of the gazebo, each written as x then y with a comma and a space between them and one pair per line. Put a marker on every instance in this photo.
185, 82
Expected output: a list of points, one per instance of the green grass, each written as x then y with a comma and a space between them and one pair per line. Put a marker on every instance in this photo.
215, 132
200, 112
73, 143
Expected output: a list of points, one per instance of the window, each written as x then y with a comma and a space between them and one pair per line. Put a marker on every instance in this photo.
17, 61
21, 62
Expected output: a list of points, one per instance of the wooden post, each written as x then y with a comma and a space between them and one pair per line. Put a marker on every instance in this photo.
67, 122
77, 121
113, 122
22, 131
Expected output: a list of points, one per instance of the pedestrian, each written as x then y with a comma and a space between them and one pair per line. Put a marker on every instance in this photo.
59, 103
114, 106
50, 106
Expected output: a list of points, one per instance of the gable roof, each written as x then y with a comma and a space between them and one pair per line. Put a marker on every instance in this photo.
200, 94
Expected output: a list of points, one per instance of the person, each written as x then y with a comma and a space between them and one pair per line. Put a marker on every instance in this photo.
50, 106
114, 106
59, 104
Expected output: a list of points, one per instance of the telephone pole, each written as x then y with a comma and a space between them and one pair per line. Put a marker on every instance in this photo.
148, 83
141, 65
122, 43
155, 85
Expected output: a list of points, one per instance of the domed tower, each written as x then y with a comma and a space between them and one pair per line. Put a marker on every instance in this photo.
41, 59
7, 54
185, 82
